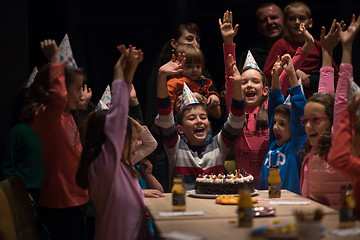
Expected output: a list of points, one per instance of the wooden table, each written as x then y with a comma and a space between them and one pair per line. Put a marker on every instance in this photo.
220, 221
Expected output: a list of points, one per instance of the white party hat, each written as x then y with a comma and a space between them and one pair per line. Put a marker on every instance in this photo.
250, 62
66, 54
187, 97
105, 100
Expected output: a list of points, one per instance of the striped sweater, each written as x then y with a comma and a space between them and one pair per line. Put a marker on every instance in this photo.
190, 161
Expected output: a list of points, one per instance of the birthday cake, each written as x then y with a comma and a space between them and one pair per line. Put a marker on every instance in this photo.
223, 184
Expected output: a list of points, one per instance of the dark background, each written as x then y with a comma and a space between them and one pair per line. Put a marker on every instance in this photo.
96, 27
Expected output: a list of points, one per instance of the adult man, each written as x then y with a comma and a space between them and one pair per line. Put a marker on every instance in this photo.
270, 24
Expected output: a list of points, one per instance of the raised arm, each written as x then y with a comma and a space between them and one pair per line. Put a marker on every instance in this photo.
346, 70
226, 28
288, 66
235, 77
173, 67
50, 50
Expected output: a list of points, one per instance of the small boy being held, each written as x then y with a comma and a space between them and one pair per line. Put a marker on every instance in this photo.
287, 135
197, 155
192, 74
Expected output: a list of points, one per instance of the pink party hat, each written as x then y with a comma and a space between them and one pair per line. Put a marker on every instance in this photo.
250, 62
31, 78
66, 54
105, 100
187, 97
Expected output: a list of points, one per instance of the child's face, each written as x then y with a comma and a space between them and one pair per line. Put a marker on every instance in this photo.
195, 126
252, 87
297, 15
314, 127
281, 128
192, 70
74, 92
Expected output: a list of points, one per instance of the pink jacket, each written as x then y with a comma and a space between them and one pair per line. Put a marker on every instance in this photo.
117, 196
318, 180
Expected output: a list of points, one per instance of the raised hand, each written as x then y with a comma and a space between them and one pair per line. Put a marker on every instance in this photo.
50, 50
288, 66
235, 75
121, 63
226, 28
85, 98
134, 57
174, 66
331, 39
309, 40
347, 37
277, 68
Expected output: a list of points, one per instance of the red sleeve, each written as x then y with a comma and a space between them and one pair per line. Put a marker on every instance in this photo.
341, 157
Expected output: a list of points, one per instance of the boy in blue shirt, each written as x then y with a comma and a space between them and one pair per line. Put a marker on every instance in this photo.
286, 134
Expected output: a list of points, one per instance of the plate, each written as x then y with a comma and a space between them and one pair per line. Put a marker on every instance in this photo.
192, 193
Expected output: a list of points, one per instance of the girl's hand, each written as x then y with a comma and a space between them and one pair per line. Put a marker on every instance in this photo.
309, 40
213, 101
85, 98
226, 28
121, 64
347, 37
235, 75
146, 166
329, 41
174, 66
152, 193
50, 50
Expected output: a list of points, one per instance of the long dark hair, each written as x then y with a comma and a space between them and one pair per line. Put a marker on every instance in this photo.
94, 138
38, 93
324, 140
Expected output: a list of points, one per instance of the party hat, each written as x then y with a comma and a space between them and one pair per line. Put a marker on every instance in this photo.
187, 97
287, 100
105, 100
66, 54
353, 89
250, 62
31, 78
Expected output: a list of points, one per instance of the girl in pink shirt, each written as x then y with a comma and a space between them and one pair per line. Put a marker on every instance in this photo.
322, 113
106, 167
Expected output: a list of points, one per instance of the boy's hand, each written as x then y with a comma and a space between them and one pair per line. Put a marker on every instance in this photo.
347, 37
309, 40
329, 41
85, 98
287, 63
50, 50
226, 28
305, 78
277, 68
174, 66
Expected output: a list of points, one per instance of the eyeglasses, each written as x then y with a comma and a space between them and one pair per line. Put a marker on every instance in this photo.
314, 120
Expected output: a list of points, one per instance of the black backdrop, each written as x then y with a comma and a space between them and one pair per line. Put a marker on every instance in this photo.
96, 27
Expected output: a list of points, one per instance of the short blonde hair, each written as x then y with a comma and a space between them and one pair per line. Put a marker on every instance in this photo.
193, 54
296, 4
